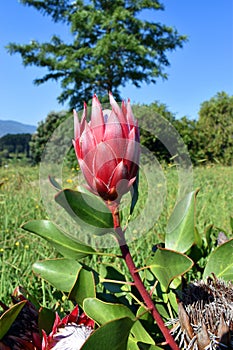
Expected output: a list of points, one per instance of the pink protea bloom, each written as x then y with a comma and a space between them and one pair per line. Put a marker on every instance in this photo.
69, 333
107, 148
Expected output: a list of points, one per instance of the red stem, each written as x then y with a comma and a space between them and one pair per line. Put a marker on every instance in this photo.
137, 279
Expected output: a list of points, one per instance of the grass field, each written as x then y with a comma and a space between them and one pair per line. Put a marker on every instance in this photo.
20, 202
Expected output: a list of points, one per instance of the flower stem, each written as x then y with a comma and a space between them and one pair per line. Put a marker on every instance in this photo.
137, 280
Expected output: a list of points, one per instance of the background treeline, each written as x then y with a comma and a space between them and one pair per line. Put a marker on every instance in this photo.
209, 139
15, 146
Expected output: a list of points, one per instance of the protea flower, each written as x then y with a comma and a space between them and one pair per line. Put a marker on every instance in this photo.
69, 333
107, 148
205, 316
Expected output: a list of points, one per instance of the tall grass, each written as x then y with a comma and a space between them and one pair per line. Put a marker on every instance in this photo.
20, 202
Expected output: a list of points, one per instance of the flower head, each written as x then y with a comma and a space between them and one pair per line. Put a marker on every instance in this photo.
69, 333
205, 316
107, 148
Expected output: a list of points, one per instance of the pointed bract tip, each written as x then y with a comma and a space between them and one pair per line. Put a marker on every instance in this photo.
112, 100
95, 101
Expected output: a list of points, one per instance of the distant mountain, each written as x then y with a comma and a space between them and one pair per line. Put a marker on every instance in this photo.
13, 127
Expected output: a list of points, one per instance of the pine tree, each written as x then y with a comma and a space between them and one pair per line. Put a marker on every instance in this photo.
111, 46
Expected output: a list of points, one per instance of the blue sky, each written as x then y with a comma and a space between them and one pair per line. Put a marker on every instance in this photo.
198, 71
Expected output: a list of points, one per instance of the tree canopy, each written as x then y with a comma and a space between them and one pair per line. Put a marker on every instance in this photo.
112, 45
43, 133
216, 127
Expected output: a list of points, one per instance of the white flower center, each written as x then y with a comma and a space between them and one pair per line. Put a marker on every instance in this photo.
71, 337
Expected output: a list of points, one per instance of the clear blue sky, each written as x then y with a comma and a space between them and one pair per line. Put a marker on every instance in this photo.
198, 71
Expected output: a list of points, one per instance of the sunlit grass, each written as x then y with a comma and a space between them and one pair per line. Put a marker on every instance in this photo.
20, 202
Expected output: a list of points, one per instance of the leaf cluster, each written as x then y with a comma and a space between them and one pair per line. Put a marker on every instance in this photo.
105, 293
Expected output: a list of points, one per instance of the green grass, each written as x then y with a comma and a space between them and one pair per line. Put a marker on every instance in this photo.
20, 202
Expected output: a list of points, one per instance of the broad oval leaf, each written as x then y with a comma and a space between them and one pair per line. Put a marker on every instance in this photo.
86, 209
112, 335
180, 234
61, 273
168, 264
64, 244
102, 312
84, 287
221, 262
9, 316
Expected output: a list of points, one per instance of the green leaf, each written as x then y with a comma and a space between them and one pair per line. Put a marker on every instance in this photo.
143, 346
167, 264
103, 312
46, 320
54, 183
86, 209
64, 244
197, 238
113, 335
61, 273
180, 234
231, 223
135, 194
220, 262
84, 287
110, 278
132, 344
207, 236
9, 316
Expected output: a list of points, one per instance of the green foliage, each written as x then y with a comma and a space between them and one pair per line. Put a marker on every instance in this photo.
43, 133
65, 245
181, 225
217, 262
215, 124
191, 135
103, 312
167, 264
153, 128
9, 317
14, 145
115, 332
208, 139
18, 247
111, 46
80, 206
106, 287
190, 255
61, 273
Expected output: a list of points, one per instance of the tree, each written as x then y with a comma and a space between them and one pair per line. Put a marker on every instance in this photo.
15, 143
216, 127
111, 46
192, 138
152, 127
43, 133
